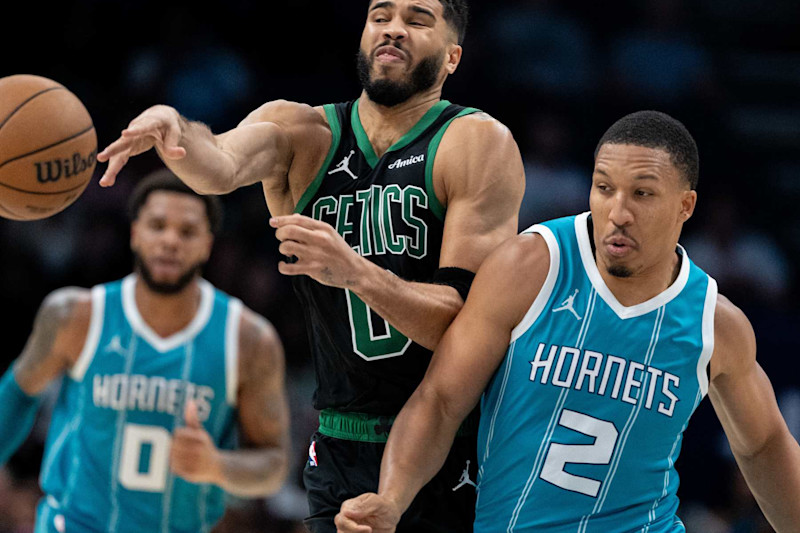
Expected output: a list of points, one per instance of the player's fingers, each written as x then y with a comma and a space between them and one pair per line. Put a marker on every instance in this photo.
115, 164
293, 232
299, 220
292, 248
191, 416
171, 137
345, 524
293, 269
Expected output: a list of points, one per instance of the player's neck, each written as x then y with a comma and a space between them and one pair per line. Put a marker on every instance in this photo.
167, 314
645, 284
386, 125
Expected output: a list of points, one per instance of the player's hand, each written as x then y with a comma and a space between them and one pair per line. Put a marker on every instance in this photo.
193, 456
320, 251
158, 126
368, 513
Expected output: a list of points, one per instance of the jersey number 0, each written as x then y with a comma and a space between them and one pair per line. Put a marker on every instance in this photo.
367, 344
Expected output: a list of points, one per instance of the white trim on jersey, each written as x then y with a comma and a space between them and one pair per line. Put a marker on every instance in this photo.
623, 312
709, 310
141, 328
541, 299
78, 370
232, 350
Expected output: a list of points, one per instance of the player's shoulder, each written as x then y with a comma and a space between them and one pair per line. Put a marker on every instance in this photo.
525, 254
286, 112
479, 127
734, 338
67, 304
259, 341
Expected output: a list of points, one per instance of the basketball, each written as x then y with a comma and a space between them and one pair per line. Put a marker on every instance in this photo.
48, 147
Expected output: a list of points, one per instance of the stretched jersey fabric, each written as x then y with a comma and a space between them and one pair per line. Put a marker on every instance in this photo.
386, 210
106, 461
583, 421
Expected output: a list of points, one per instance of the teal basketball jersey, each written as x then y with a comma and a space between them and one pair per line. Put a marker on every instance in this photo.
582, 422
106, 460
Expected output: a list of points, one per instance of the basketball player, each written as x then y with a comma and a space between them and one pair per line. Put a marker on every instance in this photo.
387, 205
162, 374
593, 338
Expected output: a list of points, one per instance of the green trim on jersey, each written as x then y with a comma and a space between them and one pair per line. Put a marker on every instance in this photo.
364, 427
366, 146
436, 206
336, 136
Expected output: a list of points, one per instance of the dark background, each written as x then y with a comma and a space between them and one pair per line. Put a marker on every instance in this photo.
556, 73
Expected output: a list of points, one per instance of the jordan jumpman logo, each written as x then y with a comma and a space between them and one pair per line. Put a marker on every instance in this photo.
568, 305
344, 166
464, 480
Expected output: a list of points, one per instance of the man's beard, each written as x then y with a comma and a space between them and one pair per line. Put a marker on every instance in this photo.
619, 271
390, 93
163, 287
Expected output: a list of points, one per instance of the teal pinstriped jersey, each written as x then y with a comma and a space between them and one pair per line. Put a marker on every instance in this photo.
582, 423
105, 465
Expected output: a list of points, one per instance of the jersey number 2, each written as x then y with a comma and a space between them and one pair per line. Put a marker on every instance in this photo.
598, 453
366, 343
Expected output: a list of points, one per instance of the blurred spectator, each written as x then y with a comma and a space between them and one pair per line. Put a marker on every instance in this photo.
536, 47
748, 264
660, 60
555, 186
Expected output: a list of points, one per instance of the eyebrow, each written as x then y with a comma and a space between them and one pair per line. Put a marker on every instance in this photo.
416, 9
639, 177
380, 5
423, 11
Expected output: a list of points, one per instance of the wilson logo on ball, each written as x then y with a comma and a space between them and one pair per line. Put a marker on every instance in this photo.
54, 170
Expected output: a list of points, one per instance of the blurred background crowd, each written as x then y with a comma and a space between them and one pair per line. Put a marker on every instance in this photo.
558, 73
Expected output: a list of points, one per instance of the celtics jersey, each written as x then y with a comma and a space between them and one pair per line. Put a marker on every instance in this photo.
386, 210
106, 461
582, 423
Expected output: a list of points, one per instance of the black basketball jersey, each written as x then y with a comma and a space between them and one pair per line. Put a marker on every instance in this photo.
386, 210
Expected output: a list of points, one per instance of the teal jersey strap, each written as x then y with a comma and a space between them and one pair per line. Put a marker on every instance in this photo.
17, 415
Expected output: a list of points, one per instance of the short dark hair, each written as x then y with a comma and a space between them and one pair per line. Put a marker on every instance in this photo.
456, 13
164, 180
654, 129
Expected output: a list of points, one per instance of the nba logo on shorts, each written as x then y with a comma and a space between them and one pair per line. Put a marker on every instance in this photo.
312, 454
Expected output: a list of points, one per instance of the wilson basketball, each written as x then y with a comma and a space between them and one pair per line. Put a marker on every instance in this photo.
48, 147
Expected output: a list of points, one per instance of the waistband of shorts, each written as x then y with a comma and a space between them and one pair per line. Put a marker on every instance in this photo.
364, 427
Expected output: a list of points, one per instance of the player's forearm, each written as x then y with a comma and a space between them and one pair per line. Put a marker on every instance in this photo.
252, 473
419, 442
773, 475
420, 311
206, 168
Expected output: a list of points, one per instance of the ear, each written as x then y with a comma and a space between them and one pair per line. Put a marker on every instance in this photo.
134, 235
688, 203
453, 59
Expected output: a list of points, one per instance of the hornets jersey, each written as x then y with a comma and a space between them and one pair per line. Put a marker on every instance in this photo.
385, 208
106, 461
582, 423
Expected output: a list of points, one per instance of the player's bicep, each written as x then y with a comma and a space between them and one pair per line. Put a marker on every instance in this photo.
268, 141
484, 182
263, 407
740, 390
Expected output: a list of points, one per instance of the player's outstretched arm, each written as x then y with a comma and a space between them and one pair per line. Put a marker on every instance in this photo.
260, 466
766, 452
59, 332
261, 147
468, 355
